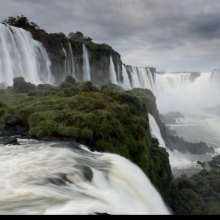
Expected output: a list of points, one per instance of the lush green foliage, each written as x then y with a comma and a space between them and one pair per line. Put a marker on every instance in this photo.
21, 21
198, 195
105, 120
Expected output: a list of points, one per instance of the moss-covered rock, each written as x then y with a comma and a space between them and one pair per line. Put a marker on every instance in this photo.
105, 120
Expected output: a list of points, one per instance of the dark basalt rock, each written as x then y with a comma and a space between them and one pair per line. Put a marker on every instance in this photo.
9, 140
97, 213
60, 180
177, 143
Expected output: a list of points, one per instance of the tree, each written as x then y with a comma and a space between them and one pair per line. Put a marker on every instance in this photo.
78, 36
21, 21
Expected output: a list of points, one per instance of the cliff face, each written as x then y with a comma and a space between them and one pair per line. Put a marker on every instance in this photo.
67, 58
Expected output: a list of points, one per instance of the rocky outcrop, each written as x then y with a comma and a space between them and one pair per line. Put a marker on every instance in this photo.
177, 143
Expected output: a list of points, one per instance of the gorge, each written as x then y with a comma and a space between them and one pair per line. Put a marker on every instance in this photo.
116, 113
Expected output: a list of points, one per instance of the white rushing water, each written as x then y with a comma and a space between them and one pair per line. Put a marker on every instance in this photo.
70, 62
140, 78
86, 65
65, 61
112, 72
49, 178
21, 55
155, 131
126, 84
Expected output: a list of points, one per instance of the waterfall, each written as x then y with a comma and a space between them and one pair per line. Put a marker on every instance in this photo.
112, 72
216, 75
86, 65
69, 65
21, 55
174, 80
135, 79
70, 61
188, 93
151, 77
155, 131
65, 61
126, 81
52, 178
144, 78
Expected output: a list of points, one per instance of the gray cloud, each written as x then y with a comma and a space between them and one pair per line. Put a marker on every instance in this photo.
168, 34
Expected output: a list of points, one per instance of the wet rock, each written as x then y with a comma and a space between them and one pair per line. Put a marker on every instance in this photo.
60, 180
9, 140
177, 143
86, 171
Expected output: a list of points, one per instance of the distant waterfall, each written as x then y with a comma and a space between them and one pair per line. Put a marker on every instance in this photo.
86, 65
135, 79
50, 178
113, 74
188, 93
21, 55
216, 75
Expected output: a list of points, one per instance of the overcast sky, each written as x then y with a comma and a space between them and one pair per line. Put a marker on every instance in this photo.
170, 35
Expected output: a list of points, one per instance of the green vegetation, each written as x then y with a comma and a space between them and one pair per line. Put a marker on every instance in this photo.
104, 119
198, 195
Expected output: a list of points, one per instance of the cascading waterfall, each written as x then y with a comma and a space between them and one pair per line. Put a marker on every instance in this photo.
140, 78
135, 79
69, 65
21, 55
187, 92
65, 61
126, 81
151, 77
191, 94
112, 72
180, 163
174, 80
70, 62
86, 65
155, 131
216, 75
59, 178
145, 80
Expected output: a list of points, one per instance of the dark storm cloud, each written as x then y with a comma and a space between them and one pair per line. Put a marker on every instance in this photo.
206, 26
168, 34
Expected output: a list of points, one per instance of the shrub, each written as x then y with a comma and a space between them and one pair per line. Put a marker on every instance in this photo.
20, 86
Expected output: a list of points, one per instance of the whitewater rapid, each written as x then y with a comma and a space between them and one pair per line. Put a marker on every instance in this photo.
58, 178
